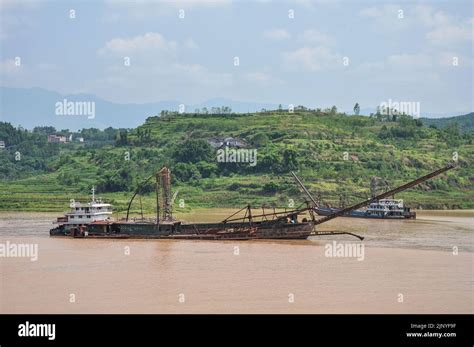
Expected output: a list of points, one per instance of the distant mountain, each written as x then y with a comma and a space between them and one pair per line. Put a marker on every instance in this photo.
30, 107
465, 122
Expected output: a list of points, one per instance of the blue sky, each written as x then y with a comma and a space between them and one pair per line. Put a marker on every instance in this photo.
330, 53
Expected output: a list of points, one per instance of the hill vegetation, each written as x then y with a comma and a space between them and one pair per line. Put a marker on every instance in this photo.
465, 123
335, 155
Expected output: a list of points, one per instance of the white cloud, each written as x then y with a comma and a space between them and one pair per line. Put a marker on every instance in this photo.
444, 29
137, 10
276, 34
190, 3
186, 82
147, 42
428, 16
372, 12
155, 65
312, 58
385, 16
414, 63
419, 60
9, 67
17, 4
312, 36
260, 78
257, 77
190, 44
451, 34
311, 4
441, 28
174, 3
16, 17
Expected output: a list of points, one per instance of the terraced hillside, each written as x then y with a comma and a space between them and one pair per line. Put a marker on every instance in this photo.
336, 155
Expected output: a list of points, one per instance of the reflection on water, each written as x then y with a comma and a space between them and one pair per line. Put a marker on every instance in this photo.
150, 276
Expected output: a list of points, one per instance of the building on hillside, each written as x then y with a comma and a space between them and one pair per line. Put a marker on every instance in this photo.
2, 144
56, 138
217, 142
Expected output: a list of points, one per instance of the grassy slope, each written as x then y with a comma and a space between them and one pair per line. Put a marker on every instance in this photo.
465, 122
319, 140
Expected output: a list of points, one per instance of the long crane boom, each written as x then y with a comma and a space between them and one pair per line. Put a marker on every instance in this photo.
386, 194
304, 189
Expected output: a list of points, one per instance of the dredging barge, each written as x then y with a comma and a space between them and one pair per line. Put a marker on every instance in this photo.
299, 223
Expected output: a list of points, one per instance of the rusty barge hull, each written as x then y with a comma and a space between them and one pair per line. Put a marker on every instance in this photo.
201, 231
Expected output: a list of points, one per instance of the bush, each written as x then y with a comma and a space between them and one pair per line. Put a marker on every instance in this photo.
193, 151
270, 188
185, 172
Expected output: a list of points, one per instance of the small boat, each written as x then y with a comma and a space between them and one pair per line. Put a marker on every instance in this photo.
380, 209
81, 215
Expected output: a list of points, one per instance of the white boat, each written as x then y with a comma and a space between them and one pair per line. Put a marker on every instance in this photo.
383, 209
85, 213
389, 208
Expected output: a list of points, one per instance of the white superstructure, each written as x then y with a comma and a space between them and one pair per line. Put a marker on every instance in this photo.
386, 207
85, 213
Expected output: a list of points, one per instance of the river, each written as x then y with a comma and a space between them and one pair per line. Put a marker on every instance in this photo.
409, 266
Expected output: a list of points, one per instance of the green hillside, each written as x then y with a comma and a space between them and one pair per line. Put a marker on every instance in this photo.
465, 123
334, 154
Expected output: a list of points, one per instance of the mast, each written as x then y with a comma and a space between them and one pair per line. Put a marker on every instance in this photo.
157, 198
298, 181
163, 195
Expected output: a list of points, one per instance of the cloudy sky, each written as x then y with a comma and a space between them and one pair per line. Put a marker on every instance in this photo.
316, 53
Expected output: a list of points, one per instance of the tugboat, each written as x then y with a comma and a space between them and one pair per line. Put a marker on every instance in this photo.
75, 222
381, 209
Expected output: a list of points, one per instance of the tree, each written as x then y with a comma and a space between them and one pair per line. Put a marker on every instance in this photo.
193, 151
45, 130
289, 161
356, 109
186, 172
333, 110
118, 137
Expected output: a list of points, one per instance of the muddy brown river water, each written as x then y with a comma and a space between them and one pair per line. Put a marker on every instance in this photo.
409, 266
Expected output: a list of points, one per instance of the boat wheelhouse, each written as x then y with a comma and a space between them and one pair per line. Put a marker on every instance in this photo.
389, 208
85, 213
381, 209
